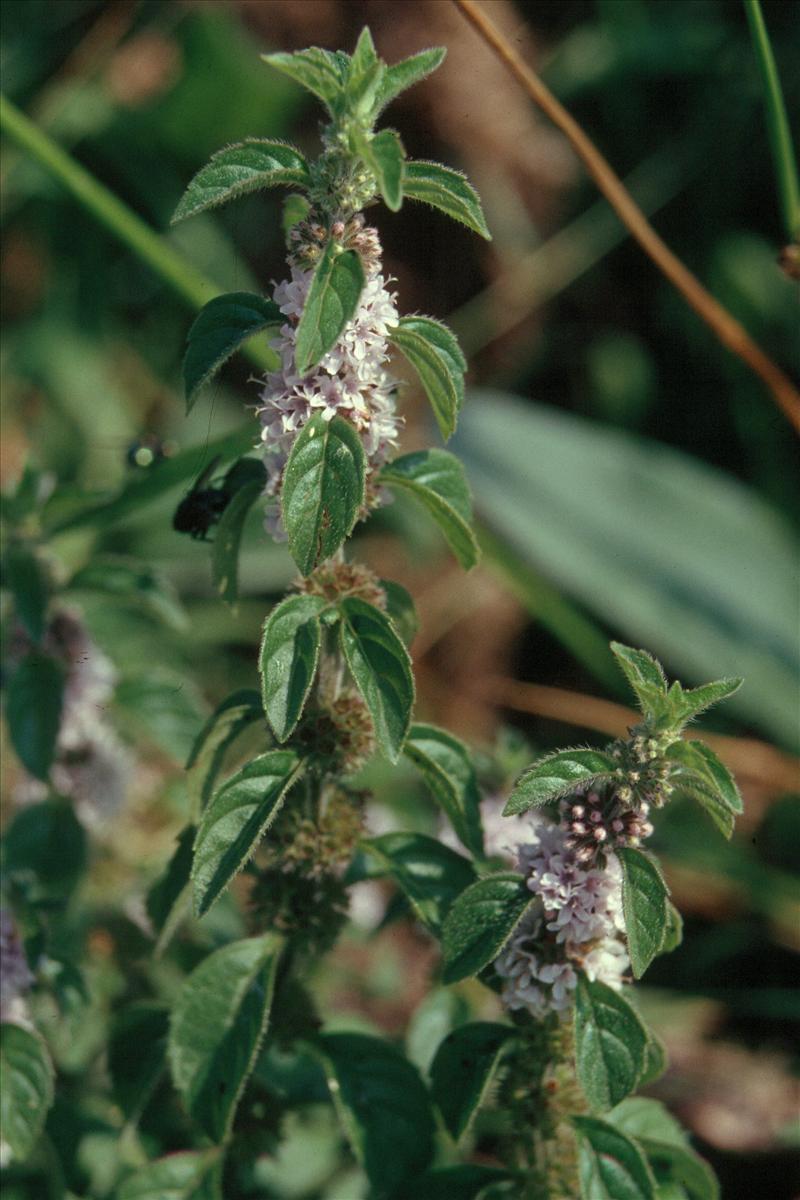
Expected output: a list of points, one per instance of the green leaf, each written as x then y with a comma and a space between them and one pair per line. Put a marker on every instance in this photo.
364, 75
169, 899
137, 1050
655, 1060
447, 190
385, 157
684, 705
645, 676
405, 74
219, 329
673, 932
467, 1181
381, 668
610, 1044
33, 711
162, 707
640, 1117
430, 874
644, 904
701, 760
447, 768
383, 1105
331, 303
317, 70
127, 579
556, 776
437, 480
187, 1175
225, 551
480, 923
217, 1025
681, 1166
436, 356
48, 840
235, 714
24, 576
295, 209
245, 167
235, 820
401, 610
611, 1166
323, 490
288, 660
463, 1069
26, 1088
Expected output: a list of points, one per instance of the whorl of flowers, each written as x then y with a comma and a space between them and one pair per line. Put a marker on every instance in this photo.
351, 380
15, 976
577, 925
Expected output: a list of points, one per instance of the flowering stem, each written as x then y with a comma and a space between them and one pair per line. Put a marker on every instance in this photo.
777, 121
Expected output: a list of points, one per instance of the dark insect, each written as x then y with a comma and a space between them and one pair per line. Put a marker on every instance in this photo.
206, 502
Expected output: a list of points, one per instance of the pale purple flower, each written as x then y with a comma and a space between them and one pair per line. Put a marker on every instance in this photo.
15, 975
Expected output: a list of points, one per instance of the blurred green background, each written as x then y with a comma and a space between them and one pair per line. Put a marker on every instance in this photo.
632, 479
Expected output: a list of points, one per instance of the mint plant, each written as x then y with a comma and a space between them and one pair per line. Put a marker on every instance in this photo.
224, 1029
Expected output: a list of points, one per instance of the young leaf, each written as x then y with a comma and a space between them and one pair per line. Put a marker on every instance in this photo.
480, 923
364, 75
225, 551
33, 711
383, 1105
436, 356
610, 1044
219, 329
381, 668
235, 820
216, 1029
288, 660
401, 609
447, 767
646, 678
699, 758
137, 1049
244, 167
26, 1088
611, 1166
437, 480
235, 714
644, 904
169, 899
331, 303
385, 157
684, 706
25, 578
430, 874
448, 190
556, 776
187, 1175
317, 70
462, 1071
405, 74
323, 489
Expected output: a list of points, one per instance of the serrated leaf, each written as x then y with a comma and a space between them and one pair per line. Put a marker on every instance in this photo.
26, 1088
646, 678
610, 1044
480, 923
436, 478
187, 1175
317, 70
430, 874
127, 579
331, 303
383, 1105
227, 540
448, 770
401, 610
385, 157
235, 820
219, 329
405, 74
216, 1028
235, 714
381, 668
24, 576
288, 660
33, 711
436, 356
700, 758
447, 190
644, 904
611, 1166
323, 490
137, 1049
556, 776
237, 170
463, 1069
169, 899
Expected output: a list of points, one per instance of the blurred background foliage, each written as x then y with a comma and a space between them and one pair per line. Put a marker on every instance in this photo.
632, 479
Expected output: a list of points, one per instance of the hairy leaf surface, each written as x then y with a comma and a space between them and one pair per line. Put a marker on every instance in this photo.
437, 480
480, 923
244, 167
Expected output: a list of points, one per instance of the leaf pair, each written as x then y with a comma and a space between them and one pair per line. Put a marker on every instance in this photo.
667, 709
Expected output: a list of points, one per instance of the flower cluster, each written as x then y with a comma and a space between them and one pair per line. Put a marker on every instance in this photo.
600, 820
350, 381
577, 924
